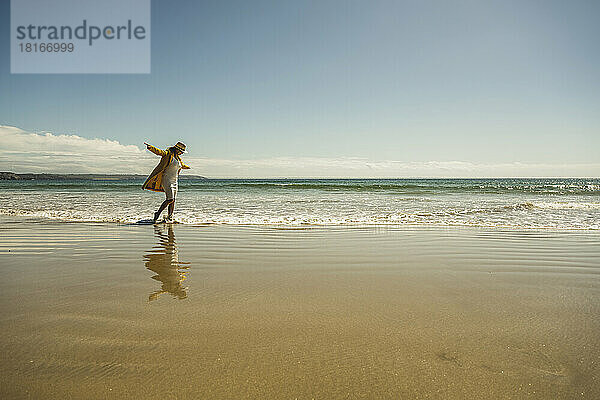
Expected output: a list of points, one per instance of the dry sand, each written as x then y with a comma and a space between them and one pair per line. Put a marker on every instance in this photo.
93, 311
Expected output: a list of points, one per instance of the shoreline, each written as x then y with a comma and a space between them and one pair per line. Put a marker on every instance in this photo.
16, 219
31, 176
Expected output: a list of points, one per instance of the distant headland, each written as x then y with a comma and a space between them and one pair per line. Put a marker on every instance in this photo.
11, 176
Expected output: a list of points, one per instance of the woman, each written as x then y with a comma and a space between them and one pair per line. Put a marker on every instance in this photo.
164, 177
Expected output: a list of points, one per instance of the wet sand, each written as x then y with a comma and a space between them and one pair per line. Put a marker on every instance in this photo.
94, 311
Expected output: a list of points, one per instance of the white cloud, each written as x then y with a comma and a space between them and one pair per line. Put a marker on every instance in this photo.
363, 168
22, 151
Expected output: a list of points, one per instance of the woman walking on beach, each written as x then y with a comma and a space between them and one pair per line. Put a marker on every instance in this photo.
164, 177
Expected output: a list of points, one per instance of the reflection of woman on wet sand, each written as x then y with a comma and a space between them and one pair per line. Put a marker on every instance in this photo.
164, 261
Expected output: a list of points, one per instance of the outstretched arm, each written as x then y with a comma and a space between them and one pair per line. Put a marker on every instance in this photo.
183, 166
155, 150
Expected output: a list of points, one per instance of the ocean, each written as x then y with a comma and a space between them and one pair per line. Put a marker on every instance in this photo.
564, 204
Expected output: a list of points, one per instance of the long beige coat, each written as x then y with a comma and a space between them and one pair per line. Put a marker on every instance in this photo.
154, 181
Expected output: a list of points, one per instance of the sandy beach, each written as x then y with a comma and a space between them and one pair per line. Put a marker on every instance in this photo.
94, 311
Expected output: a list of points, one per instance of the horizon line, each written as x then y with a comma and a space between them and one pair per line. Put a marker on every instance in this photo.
307, 177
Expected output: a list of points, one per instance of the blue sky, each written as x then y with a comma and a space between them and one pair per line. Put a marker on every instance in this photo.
479, 82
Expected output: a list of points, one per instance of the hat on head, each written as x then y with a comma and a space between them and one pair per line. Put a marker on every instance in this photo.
180, 146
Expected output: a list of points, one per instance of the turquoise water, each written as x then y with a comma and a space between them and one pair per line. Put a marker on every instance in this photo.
510, 203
